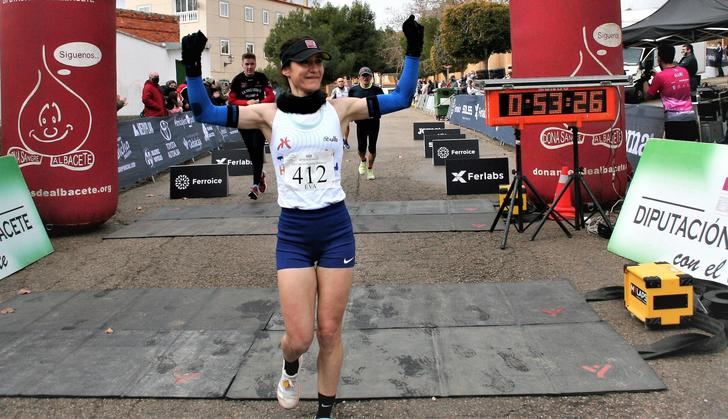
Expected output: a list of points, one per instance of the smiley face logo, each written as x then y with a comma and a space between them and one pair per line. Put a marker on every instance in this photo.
50, 125
53, 120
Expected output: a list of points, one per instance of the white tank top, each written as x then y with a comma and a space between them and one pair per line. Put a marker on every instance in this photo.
307, 152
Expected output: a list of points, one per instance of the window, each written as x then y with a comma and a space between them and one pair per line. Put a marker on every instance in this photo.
266, 17
248, 14
185, 6
249, 48
224, 47
224, 9
146, 9
186, 10
279, 16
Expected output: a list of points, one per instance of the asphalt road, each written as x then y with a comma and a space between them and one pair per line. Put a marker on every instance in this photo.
696, 384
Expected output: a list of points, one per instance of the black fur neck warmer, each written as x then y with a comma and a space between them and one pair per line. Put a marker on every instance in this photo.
302, 105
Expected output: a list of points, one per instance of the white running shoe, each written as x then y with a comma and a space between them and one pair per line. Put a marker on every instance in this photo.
288, 391
370, 174
362, 167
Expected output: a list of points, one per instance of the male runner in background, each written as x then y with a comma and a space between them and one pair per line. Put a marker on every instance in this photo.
366, 129
250, 88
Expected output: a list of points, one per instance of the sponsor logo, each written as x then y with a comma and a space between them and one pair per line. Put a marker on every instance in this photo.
636, 141
184, 120
142, 128
123, 149
458, 177
553, 138
443, 152
153, 156
333, 139
310, 43
208, 132
464, 176
283, 142
164, 130
182, 182
461, 152
638, 293
192, 143
231, 162
209, 181
346, 261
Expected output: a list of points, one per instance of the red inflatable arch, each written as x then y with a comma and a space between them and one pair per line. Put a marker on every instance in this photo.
58, 78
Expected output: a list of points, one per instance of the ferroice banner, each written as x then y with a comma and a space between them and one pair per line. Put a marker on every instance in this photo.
23, 238
677, 209
562, 38
58, 62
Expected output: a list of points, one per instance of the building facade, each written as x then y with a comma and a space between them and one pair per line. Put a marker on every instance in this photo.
233, 27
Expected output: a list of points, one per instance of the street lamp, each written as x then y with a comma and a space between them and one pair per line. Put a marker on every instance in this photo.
447, 71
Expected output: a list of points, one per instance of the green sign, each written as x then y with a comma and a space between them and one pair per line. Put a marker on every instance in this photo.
23, 239
676, 209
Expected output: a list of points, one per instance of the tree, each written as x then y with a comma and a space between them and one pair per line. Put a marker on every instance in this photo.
440, 57
473, 31
347, 33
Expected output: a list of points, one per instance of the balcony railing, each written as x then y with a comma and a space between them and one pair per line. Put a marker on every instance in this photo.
187, 17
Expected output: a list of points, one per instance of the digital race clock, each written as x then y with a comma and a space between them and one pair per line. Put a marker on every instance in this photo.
518, 102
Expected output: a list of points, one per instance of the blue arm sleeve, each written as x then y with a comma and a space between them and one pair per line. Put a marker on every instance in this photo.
401, 97
203, 109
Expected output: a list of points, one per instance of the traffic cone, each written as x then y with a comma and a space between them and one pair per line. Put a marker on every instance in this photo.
565, 207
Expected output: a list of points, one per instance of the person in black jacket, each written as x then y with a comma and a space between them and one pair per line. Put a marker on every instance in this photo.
251, 88
367, 130
689, 63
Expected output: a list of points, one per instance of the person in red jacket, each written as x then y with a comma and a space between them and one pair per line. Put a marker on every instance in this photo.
250, 88
152, 97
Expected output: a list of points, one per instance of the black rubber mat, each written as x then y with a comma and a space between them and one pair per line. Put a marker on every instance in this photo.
575, 358
452, 305
402, 341
367, 217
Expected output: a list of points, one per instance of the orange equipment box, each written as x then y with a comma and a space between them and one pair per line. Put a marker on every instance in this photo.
658, 294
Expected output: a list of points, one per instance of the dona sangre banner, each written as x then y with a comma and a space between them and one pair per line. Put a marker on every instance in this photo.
676, 209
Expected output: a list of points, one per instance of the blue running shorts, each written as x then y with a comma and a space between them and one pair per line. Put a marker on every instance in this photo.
309, 237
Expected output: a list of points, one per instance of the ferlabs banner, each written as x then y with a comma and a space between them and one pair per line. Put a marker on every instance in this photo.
567, 38
677, 209
23, 238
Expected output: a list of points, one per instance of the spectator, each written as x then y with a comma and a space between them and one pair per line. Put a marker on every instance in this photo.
152, 97
173, 103
182, 94
430, 87
247, 89
471, 89
689, 62
120, 102
342, 90
216, 95
673, 85
367, 130
171, 85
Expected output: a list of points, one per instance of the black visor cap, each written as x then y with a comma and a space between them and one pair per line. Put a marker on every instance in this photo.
301, 50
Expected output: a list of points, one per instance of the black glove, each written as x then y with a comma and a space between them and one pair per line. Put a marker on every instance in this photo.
415, 34
192, 47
